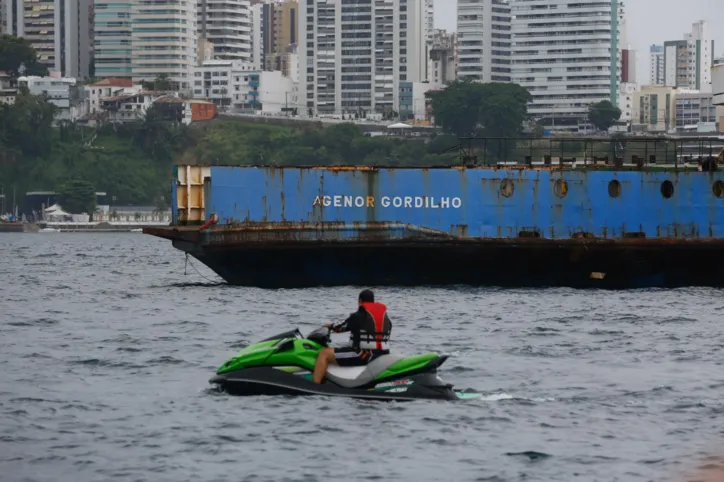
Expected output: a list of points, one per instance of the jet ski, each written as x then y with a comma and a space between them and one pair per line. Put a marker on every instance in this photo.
283, 365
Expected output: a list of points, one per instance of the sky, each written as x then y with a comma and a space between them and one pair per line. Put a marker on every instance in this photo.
649, 22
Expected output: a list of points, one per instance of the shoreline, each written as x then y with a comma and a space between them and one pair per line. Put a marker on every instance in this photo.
90, 227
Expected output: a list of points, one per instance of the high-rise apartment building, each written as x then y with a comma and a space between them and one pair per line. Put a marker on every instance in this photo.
441, 65
282, 21
164, 40
59, 30
656, 65
430, 19
430, 29
227, 25
353, 54
277, 28
258, 33
40, 24
687, 62
262, 31
284, 25
676, 62
113, 41
628, 66
8, 17
568, 56
484, 40
76, 49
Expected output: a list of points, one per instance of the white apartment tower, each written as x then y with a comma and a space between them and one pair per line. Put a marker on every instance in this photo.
258, 32
430, 29
353, 54
687, 62
656, 65
484, 40
59, 30
8, 16
164, 40
430, 18
568, 56
227, 24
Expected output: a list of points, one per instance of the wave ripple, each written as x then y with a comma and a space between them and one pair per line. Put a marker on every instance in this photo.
106, 349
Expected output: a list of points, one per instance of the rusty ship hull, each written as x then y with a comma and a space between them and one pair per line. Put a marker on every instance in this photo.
301, 227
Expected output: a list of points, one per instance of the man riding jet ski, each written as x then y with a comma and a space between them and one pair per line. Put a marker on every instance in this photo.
369, 328
292, 364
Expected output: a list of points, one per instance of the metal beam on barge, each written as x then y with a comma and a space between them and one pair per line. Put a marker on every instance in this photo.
622, 152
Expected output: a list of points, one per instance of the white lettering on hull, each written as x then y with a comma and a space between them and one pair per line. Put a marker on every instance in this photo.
408, 202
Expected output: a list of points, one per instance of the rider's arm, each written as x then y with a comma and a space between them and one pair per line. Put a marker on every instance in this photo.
344, 326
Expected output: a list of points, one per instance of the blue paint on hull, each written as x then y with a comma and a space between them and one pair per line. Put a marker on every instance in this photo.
470, 202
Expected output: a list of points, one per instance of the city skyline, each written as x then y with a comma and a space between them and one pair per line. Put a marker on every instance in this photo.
640, 34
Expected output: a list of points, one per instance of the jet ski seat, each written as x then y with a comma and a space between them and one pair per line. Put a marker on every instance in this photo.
351, 377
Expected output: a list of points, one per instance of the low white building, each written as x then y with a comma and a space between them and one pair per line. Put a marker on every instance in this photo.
127, 107
654, 109
717, 83
240, 87
108, 88
695, 111
7, 90
658, 108
717, 88
60, 91
626, 99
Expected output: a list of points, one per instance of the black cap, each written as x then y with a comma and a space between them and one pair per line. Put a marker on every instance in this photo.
367, 296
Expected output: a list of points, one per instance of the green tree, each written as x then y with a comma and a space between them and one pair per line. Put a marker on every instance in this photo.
603, 114
503, 108
465, 106
27, 124
162, 82
78, 196
456, 107
17, 56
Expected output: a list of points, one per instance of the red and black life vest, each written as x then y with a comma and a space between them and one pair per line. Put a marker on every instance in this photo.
376, 327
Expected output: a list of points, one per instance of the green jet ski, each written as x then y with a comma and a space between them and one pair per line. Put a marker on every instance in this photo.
283, 365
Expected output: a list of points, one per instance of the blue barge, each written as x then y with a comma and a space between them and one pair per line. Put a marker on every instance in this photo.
287, 227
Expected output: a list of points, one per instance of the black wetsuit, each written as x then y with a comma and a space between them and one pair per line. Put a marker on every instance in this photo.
369, 329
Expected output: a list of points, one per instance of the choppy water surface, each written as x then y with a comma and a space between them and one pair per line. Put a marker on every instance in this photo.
106, 349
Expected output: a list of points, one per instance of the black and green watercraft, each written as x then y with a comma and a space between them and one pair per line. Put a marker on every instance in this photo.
283, 365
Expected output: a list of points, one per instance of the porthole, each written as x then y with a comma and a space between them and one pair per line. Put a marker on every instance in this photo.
614, 188
560, 188
718, 189
667, 189
507, 187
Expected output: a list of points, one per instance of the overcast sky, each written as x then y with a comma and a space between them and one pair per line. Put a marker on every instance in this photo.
649, 22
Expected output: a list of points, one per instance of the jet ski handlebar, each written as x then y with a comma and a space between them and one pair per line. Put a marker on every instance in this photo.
321, 335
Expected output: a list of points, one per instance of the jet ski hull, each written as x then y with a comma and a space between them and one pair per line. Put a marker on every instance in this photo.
297, 381
283, 365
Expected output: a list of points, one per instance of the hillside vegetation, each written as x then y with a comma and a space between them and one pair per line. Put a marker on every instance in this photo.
132, 162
